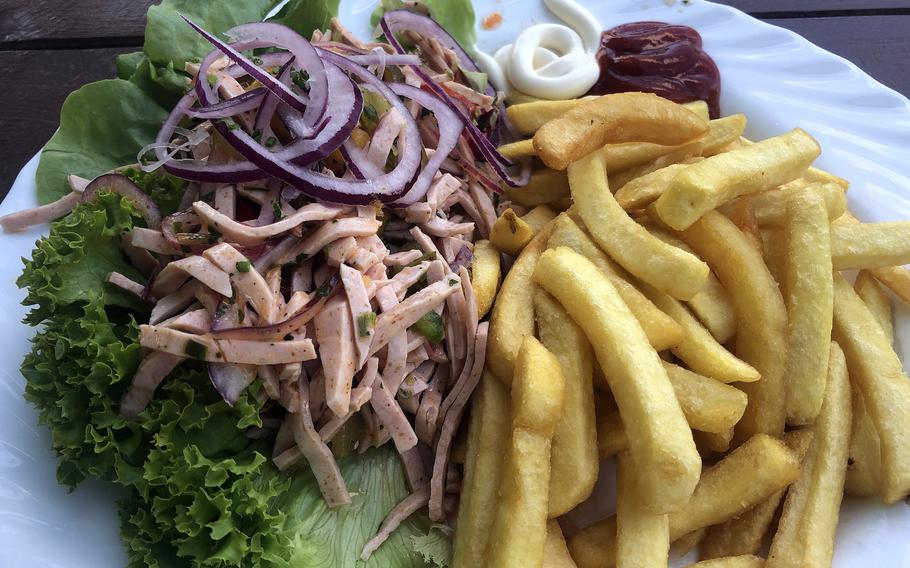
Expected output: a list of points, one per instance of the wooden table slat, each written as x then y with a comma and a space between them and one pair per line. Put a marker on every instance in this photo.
24, 20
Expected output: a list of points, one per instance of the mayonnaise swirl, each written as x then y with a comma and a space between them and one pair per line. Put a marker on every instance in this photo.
549, 61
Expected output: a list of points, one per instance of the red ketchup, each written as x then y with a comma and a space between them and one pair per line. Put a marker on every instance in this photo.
660, 58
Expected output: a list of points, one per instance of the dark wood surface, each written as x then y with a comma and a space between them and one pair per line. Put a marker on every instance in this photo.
51, 47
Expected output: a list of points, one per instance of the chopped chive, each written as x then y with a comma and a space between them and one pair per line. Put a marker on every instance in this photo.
453, 282
270, 141
243, 266
323, 291
365, 323
430, 326
276, 211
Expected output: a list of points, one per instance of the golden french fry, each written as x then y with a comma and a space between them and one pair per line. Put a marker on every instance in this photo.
615, 118
744, 478
877, 372
539, 217
723, 177
687, 154
809, 298
643, 190
712, 443
745, 561
544, 186
573, 461
526, 118
895, 278
865, 462
760, 314
489, 429
708, 405
685, 544
870, 245
770, 207
711, 305
555, 551
519, 532
518, 149
864, 465
815, 175
510, 233
642, 537
662, 331
745, 534
774, 251
805, 534
485, 274
723, 132
663, 451
513, 312
667, 268
877, 300
701, 352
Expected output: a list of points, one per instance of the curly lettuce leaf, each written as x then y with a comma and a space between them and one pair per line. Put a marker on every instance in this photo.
327, 538
456, 16
102, 126
164, 189
70, 264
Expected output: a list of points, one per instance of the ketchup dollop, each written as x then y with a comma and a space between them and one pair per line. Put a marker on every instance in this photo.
660, 58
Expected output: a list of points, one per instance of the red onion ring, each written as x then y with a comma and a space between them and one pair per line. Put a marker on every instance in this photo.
122, 185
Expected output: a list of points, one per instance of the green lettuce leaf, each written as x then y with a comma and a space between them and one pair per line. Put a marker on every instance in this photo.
456, 16
169, 40
102, 126
304, 16
70, 264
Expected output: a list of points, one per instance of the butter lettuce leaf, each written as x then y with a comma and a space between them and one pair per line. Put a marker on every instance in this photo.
102, 126
304, 16
456, 16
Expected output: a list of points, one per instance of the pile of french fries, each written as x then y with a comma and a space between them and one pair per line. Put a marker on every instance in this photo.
678, 300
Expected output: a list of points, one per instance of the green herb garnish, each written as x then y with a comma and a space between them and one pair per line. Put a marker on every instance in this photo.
365, 324
430, 326
243, 266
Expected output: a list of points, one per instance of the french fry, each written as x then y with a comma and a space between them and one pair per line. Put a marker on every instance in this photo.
519, 532
723, 177
708, 405
539, 217
642, 537
700, 108
876, 300
519, 149
760, 314
744, 561
710, 444
770, 207
685, 544
870, 245
555, 551
662, 331
723, 132
513, 312
489, 428
877, 372
545, 186
485, 274
643, 190
895, 278
747, 476
745, 534
611, 119
815, 175
711, 305
510, 234
664, 452
774, 251
864, 464
526, 118
663, 266
809, 297
573, 460
805, 534
686, 154
701, 352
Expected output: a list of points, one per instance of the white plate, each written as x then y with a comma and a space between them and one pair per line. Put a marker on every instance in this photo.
777, 78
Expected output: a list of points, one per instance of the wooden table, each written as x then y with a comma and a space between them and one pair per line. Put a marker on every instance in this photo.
48, 48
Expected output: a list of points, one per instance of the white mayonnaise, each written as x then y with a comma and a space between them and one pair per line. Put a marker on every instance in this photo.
549, 61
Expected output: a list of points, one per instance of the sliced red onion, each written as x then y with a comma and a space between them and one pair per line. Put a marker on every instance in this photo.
123, 186
271, 102
168, 230
462, 258
449, 131
403, 20
248, 101
312, 106
385, 59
